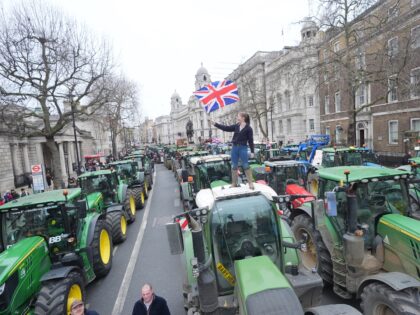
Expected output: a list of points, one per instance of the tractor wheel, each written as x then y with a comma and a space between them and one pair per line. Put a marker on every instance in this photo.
118, 223
150, 182
380, 299
102, 248
130, 206
56, 296
139, 197
317, 255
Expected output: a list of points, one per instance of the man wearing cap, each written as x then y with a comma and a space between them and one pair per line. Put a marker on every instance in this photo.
78, 308
150, 304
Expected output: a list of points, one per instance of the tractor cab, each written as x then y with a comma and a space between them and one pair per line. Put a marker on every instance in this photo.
104, 182
126, 170
350, 156
211, 170
282, 173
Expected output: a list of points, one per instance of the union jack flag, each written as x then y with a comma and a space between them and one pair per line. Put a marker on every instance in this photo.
217, 95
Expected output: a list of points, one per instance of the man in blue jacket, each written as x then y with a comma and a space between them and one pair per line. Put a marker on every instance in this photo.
150, 304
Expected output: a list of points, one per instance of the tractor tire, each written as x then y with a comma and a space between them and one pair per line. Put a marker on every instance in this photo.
56, 296
146, 190
139, 197
118, 223
317, 255
380, 299
130, 206
102, 248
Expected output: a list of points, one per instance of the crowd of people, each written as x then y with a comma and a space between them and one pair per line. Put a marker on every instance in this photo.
12, 194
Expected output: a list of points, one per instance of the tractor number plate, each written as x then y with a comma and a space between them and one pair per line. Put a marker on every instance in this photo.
226, 274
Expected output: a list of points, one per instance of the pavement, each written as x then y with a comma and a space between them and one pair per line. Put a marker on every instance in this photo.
145, 258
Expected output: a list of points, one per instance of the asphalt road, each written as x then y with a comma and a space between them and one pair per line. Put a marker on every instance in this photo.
144, 257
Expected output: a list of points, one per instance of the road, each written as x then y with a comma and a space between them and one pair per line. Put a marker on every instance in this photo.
144, 258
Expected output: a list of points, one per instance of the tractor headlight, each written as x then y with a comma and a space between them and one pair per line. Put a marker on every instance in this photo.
2, 287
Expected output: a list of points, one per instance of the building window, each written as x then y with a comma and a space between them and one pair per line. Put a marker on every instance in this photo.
360, 60
288, 101
280, 126
310, 100
393, 12
415, 124
327, 104
392, 89
415, 37
279, 101
393, 47
336, 46
361, 95
304, 125
311, 124
338, 134
289, 125
337, 102
327, 131
415, 83
393, 131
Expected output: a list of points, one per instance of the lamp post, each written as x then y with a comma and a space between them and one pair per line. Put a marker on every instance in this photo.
75, 135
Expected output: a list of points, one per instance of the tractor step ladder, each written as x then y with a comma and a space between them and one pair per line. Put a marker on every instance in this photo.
339, 272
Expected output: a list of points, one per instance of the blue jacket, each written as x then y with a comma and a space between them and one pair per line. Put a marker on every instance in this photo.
158, 307
240, 137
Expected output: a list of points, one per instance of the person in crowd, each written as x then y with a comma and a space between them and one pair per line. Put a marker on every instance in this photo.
406, 158
242, 136
49, 179
23, 192
78, 308
150, 303
14, 194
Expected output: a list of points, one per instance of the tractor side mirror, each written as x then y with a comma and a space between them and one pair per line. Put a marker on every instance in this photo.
331, 202
82, 208
174, 234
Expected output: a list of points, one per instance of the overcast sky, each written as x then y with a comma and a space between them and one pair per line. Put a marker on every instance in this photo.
160, 44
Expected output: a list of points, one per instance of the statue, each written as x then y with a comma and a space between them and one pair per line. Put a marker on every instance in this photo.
190, 130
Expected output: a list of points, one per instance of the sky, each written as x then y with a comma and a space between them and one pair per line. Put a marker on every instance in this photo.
160, 44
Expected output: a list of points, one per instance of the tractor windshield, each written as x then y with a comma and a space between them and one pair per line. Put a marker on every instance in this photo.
282, 176
213, 171
125, 170
102, 183
243, 227
17, 225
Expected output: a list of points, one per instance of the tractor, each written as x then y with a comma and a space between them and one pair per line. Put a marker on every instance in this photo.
145, 166
51, 248
184, 162
362, 238
348, 156
239, 256
105, 193
204, 172
129, 175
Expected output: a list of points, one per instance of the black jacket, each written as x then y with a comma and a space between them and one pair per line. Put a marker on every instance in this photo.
158, 307
240, 137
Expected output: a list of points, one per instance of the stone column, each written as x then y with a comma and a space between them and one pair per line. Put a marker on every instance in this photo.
39, 153
71, 154
62, 161
26, 158
13, 149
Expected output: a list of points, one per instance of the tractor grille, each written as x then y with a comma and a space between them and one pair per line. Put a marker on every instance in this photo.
9, 290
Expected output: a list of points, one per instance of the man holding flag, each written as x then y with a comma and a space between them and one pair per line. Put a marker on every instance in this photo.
217, 95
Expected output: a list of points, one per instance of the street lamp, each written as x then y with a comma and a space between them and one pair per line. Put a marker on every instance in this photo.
75, 135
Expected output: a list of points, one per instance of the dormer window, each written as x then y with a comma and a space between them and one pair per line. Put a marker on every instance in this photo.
204, 78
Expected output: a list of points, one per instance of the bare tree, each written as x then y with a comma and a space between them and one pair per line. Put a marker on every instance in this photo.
356, 55
122, 109
47, 59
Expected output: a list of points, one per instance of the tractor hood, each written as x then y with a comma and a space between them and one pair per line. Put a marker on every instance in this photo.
94, 199
11, 258
294, 189
263, 288
402, 224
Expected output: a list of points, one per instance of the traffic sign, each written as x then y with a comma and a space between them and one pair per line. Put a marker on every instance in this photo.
36, 169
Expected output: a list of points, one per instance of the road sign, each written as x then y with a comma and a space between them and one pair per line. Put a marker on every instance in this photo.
38, 178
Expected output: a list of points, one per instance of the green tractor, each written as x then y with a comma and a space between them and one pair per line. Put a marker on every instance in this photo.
345, 156
361, 238
239, 256
204, 172
185, 164
51, 248
105, 193
130, 176
145, 166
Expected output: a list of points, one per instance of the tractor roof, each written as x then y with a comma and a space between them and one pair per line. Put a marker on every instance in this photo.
287, 163
42, 198
207, 197
95, 173
209, 158
345, 149
194, 153
121, 162
358, 173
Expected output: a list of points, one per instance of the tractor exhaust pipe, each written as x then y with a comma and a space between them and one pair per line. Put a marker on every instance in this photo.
351, 213
354, 245
207, 289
